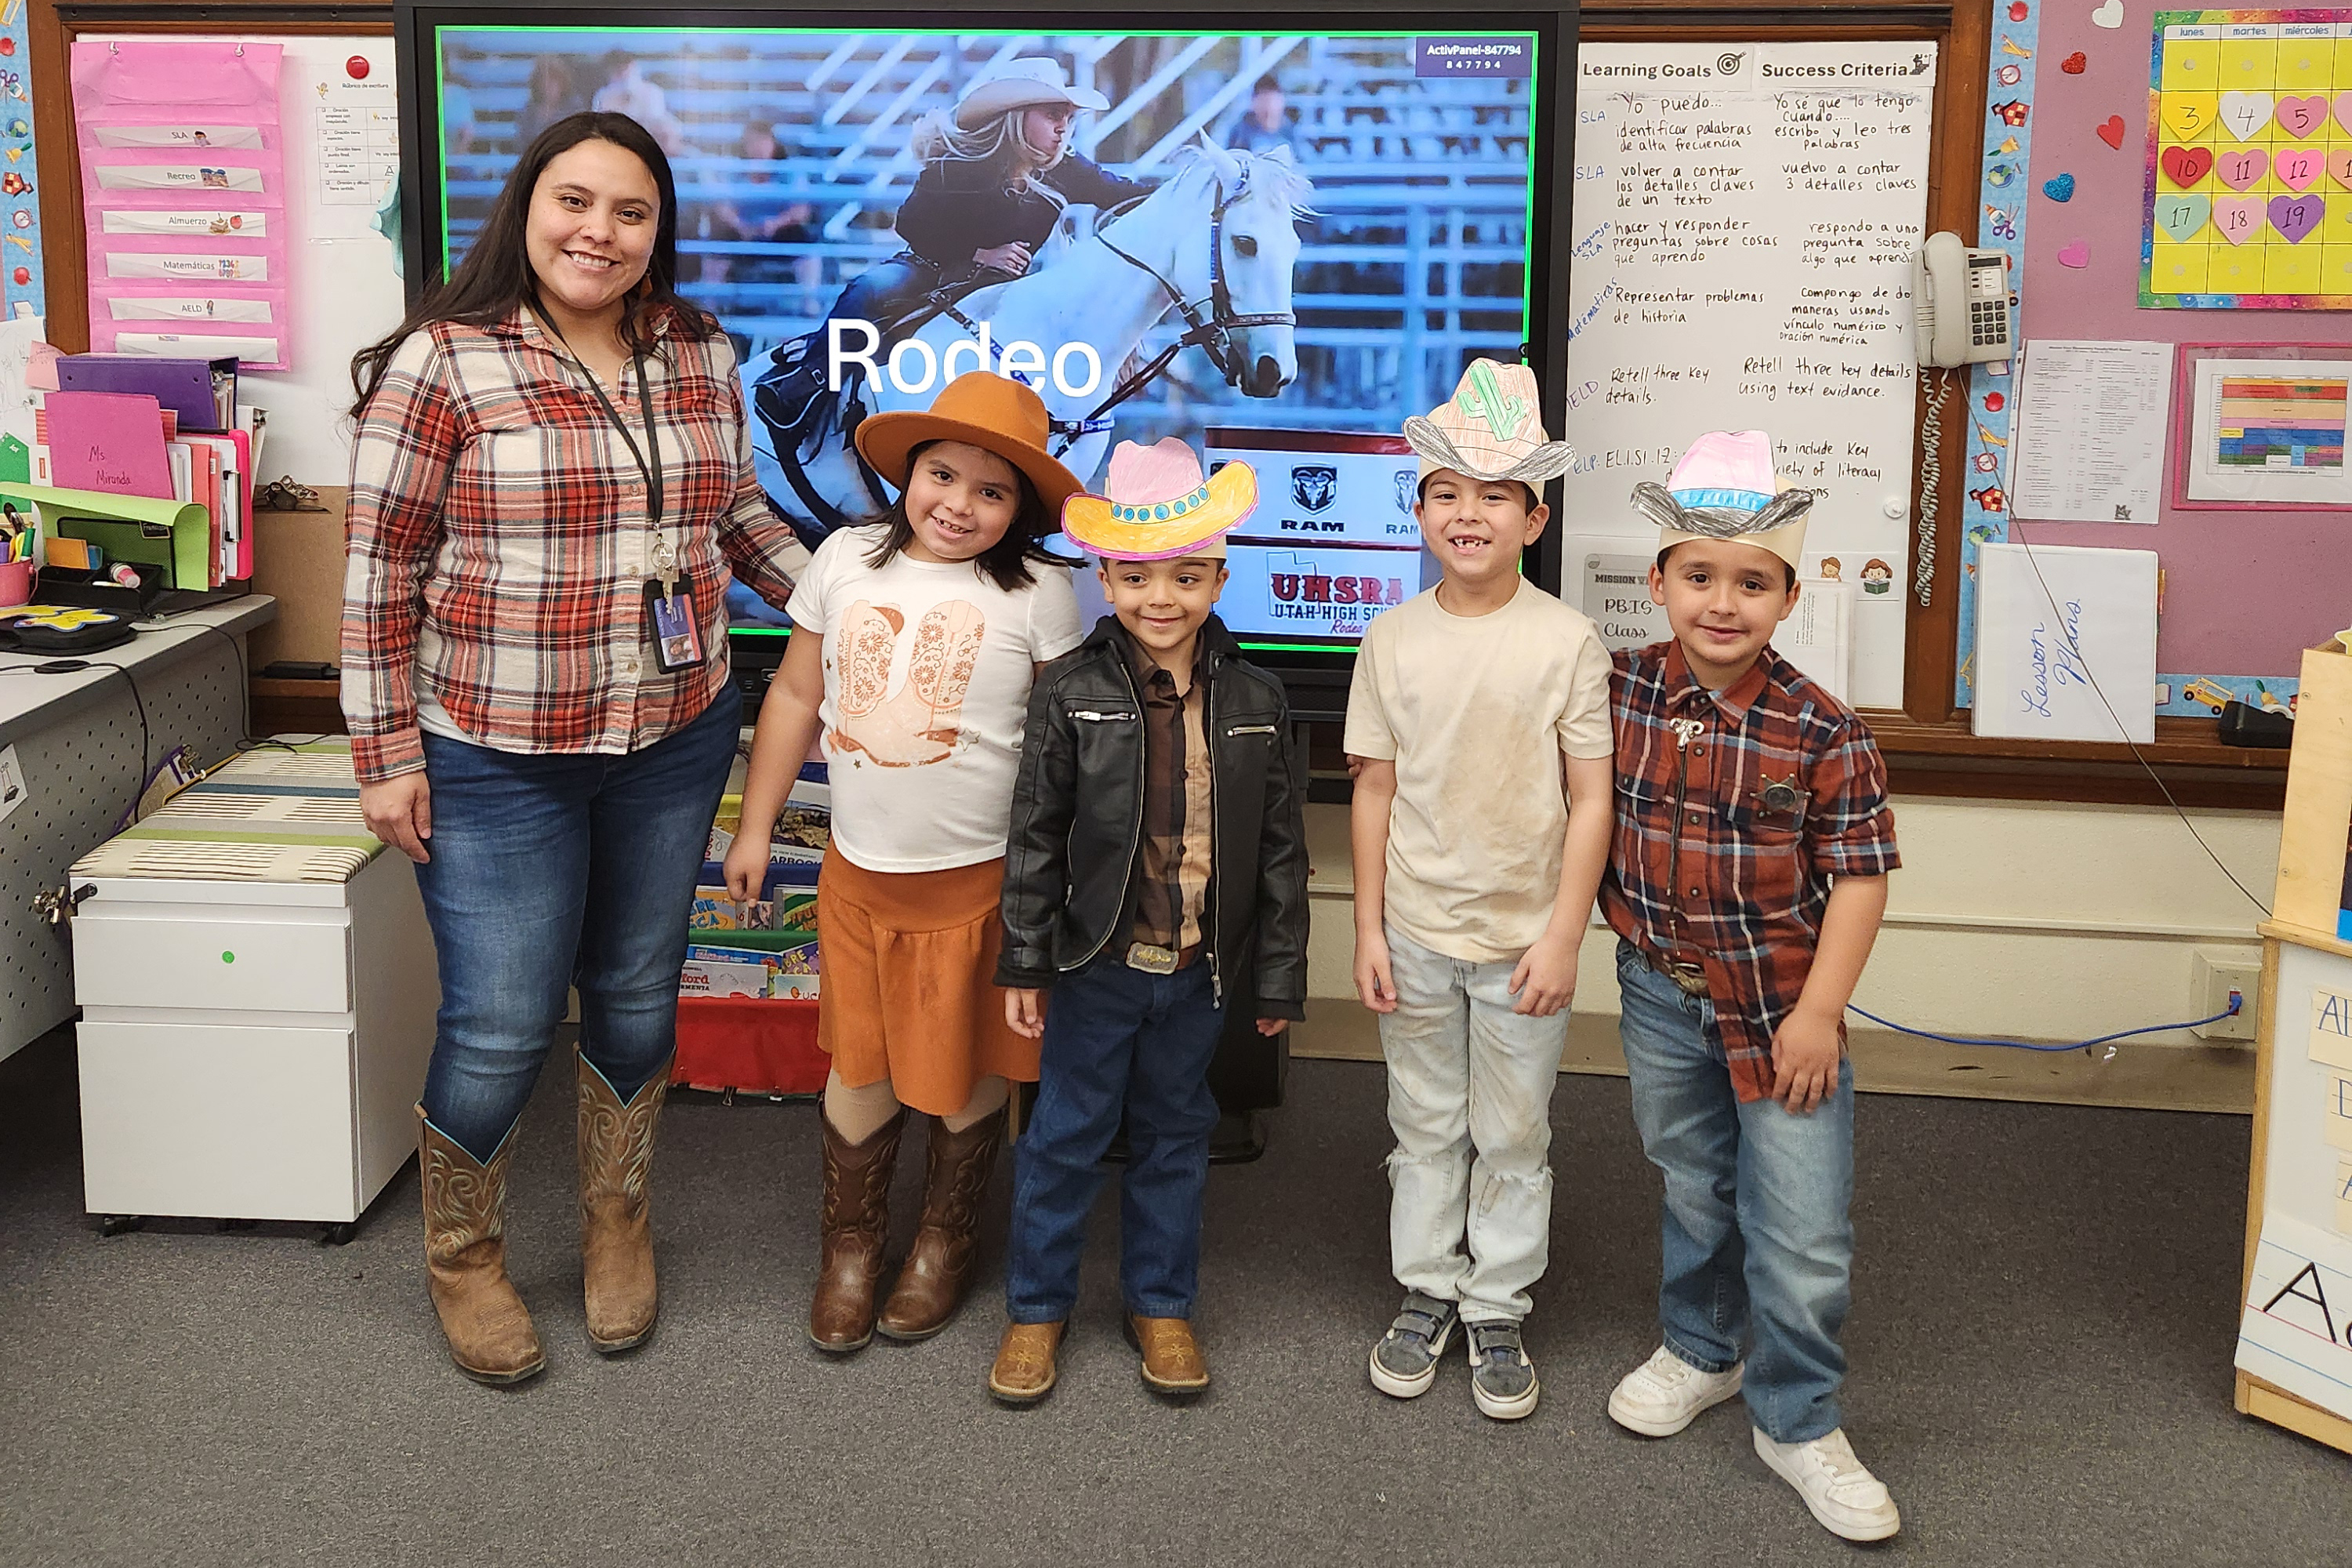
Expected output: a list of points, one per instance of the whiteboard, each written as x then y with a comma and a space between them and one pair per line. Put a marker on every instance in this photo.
346, 288
1747, 218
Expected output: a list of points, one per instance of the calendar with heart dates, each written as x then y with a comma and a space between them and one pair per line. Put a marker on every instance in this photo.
2249, 181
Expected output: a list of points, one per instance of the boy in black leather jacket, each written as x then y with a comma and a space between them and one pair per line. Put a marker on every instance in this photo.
1156, 872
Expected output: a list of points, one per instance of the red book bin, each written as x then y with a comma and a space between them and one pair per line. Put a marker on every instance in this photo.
750, 1045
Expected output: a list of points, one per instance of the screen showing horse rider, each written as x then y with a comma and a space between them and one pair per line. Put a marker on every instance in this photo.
1272, 246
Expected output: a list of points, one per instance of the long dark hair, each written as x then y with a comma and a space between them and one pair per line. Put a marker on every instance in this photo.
495, 278
1006, 562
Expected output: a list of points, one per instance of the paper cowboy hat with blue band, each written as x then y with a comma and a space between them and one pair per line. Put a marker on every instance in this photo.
1492, 429
1725, 488
1156, 506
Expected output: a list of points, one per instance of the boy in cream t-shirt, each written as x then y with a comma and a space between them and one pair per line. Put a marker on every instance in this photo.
1479, 725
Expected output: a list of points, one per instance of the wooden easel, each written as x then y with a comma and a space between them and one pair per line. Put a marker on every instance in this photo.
2303, 915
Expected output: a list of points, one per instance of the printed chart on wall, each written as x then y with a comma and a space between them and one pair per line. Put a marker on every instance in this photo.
2249, 180
1746, 220
2296, 1330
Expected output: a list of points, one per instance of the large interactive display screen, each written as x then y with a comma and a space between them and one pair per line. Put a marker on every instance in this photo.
1274, 246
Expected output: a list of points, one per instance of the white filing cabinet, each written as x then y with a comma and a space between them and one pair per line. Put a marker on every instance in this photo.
257, 991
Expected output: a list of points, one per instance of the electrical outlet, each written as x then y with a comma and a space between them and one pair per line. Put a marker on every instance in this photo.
2213, 978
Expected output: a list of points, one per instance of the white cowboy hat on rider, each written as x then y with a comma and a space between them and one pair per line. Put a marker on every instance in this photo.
1019, 84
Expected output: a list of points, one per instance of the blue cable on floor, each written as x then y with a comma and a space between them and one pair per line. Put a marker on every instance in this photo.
2236, 1006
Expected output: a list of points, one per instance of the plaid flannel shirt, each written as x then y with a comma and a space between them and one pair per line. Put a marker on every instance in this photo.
1734, 810
498, 547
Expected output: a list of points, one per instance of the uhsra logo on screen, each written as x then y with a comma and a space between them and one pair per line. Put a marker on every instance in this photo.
914, 367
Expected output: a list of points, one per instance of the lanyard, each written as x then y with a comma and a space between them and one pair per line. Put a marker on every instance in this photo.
648, 459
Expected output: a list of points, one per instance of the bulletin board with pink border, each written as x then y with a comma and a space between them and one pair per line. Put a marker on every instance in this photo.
2246, 589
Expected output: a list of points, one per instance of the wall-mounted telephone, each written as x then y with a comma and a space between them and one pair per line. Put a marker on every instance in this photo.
1960, 302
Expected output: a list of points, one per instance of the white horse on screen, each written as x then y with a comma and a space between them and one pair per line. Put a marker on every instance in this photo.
1107, 292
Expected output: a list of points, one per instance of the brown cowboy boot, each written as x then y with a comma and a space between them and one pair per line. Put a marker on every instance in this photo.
488, 1327
1024, 1373
1171, 1357
616, 1242
853, 1226
930, 1287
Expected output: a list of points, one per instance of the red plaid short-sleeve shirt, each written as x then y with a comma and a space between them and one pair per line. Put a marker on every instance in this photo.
1735, 810
498, 544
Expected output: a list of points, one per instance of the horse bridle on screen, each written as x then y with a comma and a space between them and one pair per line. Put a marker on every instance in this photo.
1212, 334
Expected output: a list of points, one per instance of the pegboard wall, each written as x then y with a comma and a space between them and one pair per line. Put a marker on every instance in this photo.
81, 775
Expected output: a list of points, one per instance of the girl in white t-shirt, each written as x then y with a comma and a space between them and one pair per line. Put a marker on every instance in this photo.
916, 639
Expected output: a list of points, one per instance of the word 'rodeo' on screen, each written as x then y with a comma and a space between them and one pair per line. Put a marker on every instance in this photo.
1020, 358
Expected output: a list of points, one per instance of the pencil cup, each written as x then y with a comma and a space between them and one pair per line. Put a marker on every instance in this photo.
16, 584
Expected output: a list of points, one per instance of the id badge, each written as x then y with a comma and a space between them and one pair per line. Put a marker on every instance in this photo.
677, 631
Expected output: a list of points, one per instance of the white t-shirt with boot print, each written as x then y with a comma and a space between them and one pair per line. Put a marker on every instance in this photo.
926, 676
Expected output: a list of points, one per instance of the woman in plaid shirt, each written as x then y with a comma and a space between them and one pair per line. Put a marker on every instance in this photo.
551, 484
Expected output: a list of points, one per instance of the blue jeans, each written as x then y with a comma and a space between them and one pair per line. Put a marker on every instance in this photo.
553, 870
1119, 1043
1755, 1221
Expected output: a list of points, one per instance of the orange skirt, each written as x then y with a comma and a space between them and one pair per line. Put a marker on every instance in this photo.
909, 995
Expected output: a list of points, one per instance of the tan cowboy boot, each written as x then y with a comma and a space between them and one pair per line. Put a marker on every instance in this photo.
1171, 1357
1024, 1373
616, 1242
930, 1286
853, 1226
488, 1327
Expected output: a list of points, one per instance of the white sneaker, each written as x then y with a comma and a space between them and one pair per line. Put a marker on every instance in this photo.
1843, 1495
1666, 1394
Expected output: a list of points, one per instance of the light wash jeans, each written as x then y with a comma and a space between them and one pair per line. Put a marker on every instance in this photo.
1755, 1224
1470, 1086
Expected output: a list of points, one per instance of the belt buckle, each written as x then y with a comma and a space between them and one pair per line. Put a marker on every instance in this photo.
1151, 960
1689, 978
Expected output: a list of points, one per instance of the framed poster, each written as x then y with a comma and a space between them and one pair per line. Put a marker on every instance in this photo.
2263, 426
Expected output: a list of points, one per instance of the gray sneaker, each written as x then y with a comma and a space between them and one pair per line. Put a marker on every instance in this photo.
1404, 1363
1502, 1378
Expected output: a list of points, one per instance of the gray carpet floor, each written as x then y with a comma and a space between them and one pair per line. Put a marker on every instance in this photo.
2041, 1342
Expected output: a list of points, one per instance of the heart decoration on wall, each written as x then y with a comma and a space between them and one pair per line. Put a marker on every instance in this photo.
2299, 117
2109, 15
2059, 187
2187, 116
2111, 132
2245, 112
2238, 218
2074, 253
2296, 167
2182, 216
2073, 64
2239, 170
2184, 166
2340, 166
2296, 217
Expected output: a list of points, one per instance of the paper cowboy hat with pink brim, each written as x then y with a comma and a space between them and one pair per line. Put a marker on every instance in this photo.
1156, 506
1725, 488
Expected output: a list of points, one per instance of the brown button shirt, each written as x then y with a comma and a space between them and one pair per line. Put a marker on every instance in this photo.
1172, 860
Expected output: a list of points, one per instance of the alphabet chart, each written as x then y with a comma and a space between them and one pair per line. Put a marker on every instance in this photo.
2248, 178
2296, 1328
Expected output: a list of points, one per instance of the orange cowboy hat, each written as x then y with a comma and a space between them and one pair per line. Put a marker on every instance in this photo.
981, 409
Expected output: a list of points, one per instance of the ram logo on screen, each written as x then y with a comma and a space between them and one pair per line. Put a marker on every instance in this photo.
1315, 486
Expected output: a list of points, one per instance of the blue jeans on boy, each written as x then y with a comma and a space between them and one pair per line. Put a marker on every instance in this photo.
549, 870
1755, 1229
1119, 1043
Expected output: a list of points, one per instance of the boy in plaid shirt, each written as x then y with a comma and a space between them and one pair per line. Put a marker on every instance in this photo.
1746, 886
